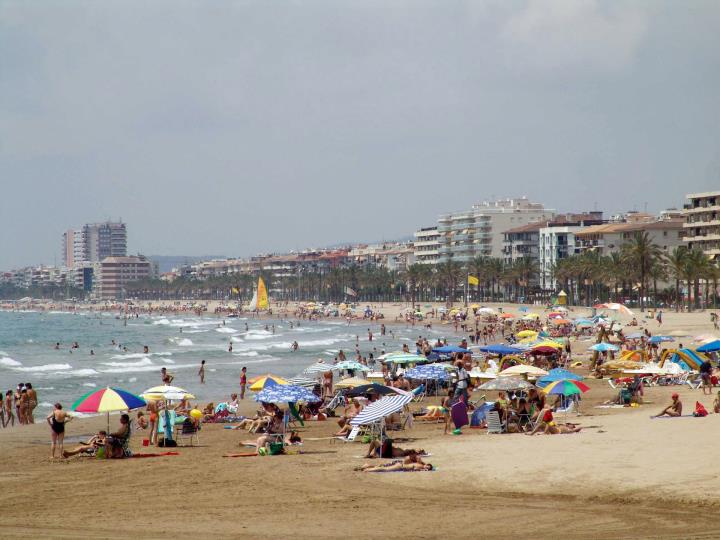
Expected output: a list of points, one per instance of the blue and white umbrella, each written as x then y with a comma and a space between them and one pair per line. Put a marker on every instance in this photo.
381, 408
428, 372
351, 364
602, 347
284, 393
307, 382
319, 367
661, 339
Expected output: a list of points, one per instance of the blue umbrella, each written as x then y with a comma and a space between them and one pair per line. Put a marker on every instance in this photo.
710, 347
428, 371
602, 347
636, 335
523, 309
449, 349
660, 339
558, 374
499, 349
284, 393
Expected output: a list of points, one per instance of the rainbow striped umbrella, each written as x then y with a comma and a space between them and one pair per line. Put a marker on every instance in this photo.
107, 400
566, 387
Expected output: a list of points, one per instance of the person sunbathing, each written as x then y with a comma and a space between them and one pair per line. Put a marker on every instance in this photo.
396, 467
141, 422
673, 410
387, 450
562, 429
350, 412
90, 447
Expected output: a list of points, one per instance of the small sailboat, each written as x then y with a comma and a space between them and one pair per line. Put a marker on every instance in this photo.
260, 297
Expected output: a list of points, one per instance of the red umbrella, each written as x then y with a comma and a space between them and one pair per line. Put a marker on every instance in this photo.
544, 349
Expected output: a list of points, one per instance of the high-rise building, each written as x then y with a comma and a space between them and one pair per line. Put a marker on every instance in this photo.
93, 242
480, 231
115, 272
702, 222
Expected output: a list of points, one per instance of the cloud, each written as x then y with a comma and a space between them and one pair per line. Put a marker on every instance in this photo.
572, 33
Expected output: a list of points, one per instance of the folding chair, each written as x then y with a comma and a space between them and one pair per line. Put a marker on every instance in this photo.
494, 424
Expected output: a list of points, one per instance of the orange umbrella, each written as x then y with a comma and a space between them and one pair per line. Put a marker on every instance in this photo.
507, 316
561, 321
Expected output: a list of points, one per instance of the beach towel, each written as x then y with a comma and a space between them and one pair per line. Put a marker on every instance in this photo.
158, 454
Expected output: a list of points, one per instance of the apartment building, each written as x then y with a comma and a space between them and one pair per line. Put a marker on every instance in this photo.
426, 245
116, 272
94, 242
480, 231
702, 222
665, 232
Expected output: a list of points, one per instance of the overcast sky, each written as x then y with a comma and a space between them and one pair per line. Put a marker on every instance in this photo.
234, 127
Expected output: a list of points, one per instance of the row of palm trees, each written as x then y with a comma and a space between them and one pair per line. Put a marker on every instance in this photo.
628, 275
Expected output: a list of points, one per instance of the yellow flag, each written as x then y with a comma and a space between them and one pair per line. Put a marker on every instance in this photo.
472, 280
235, 290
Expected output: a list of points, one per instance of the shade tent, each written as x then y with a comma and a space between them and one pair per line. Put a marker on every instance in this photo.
712, 346
380, 409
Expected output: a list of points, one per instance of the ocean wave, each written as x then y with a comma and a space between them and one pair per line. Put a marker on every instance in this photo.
46, 405
7, 361
87, 372
162, 322
45, 367
138, 355
168, 361
247, 353
226, 330
144, 362
195, 331
237, 339
90, 384
182, 342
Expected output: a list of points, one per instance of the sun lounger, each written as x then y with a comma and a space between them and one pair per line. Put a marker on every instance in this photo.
494, 424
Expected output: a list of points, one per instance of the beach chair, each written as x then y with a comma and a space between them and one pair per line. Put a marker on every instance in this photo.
188, 430
494, 424
694, 383
418, 393
612, 384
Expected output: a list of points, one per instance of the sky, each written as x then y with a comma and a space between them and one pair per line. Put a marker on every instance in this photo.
239, 127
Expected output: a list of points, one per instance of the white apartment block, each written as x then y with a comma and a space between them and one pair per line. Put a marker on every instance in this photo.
427, 245
702, 222
480, 231
556, 243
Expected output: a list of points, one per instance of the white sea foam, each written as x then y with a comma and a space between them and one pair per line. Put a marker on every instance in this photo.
46, 405
138, 355
168, 361
226, 330
144, 362
7, 361
182, 342
87, 372
90, 384
247, 353
162, 322
45, 367
237, 339
132, 379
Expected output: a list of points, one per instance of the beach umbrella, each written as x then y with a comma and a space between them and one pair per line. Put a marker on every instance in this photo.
373, 388
549, 343
712, 346
450, 349
498, 349
526, 334
523, 369
602, 347
523, 309
507, 316
559, 322
258, 383
474, 306
351, 364
558, 374
486, 311
428, 372
544, 350
163, 392
620, 308
635, 335
475, 373
403, 358
566, 387
107, 400
307, 382
319, 367
661, 339
351, 382
284, 393
705, 338
381, 408
506, 384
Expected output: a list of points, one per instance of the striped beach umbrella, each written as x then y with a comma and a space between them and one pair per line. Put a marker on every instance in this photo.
351, 364
164, 391
566, 387
107, 400
381, 408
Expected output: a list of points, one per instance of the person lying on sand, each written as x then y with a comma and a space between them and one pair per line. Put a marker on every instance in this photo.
674, 409
90, 447
397, 466
387, 450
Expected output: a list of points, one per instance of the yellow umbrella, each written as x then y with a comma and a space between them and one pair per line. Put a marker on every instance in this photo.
523, 369
548, 343
352, 382
258, 383
531, 316
475, 306
527, 334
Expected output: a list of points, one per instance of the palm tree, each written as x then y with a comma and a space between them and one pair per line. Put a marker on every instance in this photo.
696, 263
642, 253
676, 267
449, 274
413, 276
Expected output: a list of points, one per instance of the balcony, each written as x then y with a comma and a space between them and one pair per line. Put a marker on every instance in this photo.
460, 249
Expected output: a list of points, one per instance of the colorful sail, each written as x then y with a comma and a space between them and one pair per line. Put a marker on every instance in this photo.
254, 302
262, 296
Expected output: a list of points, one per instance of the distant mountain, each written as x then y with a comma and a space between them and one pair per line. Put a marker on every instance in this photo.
168, 262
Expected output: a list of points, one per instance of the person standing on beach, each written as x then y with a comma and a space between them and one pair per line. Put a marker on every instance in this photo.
7, 405
57, 420
32, 402
243, 382
152, 409
201, 372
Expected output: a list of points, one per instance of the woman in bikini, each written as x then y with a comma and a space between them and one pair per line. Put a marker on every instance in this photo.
152, 409
57, 420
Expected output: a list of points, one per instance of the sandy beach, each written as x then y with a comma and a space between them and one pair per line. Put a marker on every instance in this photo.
624, 476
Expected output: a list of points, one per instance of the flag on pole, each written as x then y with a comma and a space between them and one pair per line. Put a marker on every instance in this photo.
235, 290
472, 280
350, 292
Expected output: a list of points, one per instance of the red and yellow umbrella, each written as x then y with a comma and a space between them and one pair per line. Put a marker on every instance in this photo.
258, 383
107, 400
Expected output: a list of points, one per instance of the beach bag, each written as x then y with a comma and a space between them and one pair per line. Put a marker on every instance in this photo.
700, 410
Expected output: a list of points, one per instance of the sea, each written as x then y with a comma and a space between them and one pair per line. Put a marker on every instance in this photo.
178, 343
